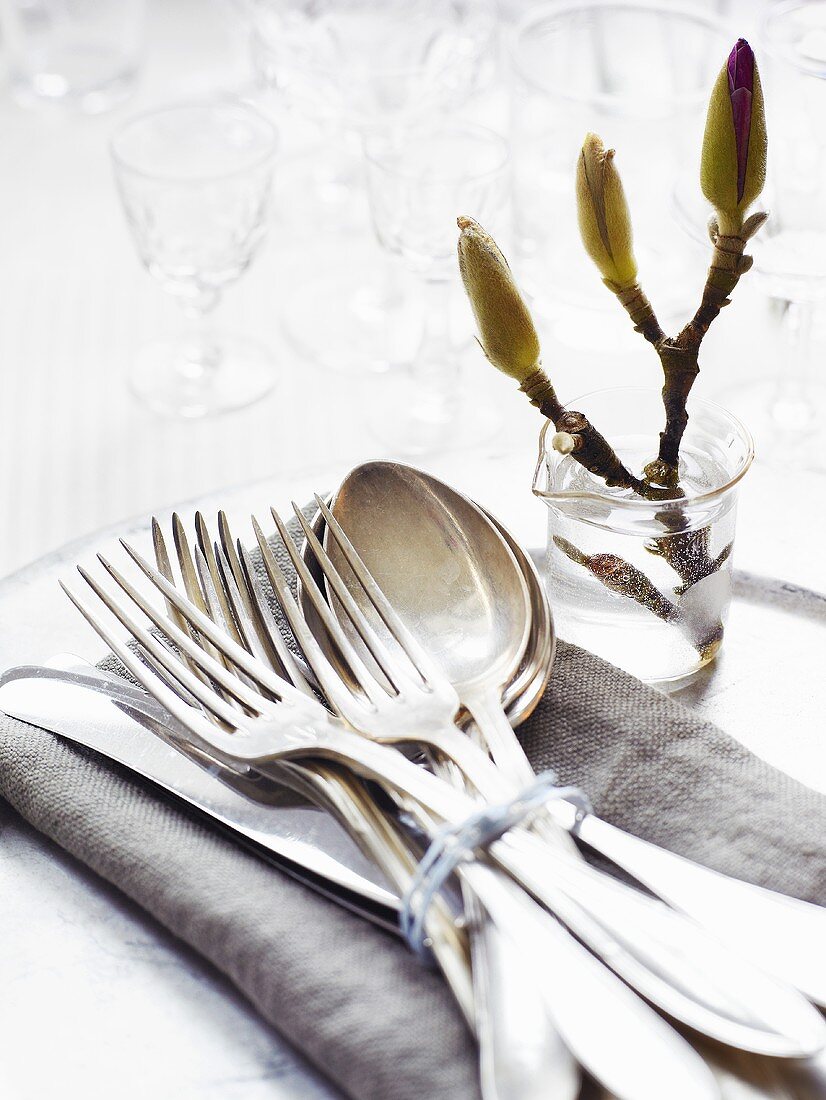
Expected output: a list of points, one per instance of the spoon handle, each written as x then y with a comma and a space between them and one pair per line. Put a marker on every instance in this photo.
521, 1054
782, 934
614, 1034
485, 707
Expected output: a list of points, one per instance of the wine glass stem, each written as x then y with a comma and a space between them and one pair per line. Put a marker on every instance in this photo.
202, 353
435, 369
792, 394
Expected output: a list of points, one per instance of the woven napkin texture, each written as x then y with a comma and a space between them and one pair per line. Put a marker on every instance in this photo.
351, 997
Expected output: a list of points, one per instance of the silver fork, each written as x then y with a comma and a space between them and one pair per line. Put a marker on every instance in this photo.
519, 1050
622, 1042
226, 597
650, 945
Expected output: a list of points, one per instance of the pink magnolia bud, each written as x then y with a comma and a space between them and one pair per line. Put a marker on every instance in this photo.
740, 87
733, 168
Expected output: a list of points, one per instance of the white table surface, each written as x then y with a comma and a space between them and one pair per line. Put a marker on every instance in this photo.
120, 1008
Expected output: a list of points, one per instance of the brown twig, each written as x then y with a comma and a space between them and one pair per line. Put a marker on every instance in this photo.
679, 355
591, 449
687, 553
620, 576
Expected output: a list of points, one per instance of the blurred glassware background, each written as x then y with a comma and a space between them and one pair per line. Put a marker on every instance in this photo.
347, 68
196, 183
638, 74
81, 304
418, 181
786, 409
72, 51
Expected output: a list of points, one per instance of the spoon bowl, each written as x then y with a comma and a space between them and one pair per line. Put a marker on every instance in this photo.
524, 690
451, 579
445, 569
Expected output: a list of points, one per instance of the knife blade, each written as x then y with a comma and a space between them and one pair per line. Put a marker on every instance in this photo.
67, 698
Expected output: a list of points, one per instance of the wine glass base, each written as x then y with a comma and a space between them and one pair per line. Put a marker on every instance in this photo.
788, 428
165, 379
356, 326
409, 422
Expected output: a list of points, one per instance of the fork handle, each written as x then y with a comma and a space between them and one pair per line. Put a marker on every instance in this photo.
509, 757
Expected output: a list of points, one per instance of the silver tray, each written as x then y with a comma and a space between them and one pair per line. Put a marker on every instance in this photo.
98, 968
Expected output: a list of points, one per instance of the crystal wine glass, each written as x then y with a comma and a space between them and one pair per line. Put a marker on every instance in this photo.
196, 182
351, 67
84, 55
419, 181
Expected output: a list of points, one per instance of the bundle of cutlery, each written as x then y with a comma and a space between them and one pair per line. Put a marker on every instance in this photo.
377, 669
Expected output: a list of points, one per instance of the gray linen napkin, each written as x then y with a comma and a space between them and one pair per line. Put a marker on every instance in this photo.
350, 997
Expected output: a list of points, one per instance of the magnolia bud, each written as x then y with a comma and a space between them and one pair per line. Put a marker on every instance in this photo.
506, 330
733, 169
604, 218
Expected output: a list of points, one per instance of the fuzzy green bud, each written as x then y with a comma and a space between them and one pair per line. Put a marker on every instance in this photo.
733, 167
506, 329
604, 218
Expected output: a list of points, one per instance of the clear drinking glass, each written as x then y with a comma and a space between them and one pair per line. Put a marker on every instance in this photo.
644, 584
73, 51
351, 67
790, 251
370, 62
419, 181
196, 185
639, 75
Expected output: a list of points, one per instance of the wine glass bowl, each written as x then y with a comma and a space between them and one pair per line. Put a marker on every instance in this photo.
419, 180
353, 67
195, 181
364, 63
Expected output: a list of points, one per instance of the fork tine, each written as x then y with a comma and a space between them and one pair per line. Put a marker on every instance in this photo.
174, 665
239, 584
193, 584
264, 618
189, 575
368, 635
205, 545
369, 684
204, 731
419, 657
165, 567
216, 601
329, 680
169, 680
148, 679
228, 546
223, 581
222, 680
237, 654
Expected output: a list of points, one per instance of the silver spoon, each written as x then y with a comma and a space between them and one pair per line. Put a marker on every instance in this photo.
454, 582
527, 686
